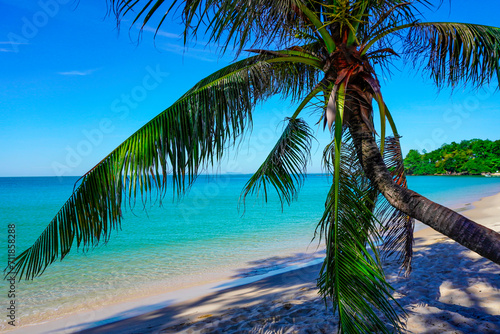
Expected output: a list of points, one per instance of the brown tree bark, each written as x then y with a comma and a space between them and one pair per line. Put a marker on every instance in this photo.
477, 238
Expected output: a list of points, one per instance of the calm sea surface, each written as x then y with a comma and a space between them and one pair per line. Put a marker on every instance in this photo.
200, 238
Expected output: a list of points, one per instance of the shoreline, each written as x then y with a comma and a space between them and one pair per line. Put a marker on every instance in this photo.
132, 305
226, 294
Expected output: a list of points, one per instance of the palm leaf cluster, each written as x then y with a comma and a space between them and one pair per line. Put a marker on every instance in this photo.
397, 227
285, 166
352, 274
456, 53
175, 145
323, 55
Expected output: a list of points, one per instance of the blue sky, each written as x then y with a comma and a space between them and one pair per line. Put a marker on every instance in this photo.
72, 88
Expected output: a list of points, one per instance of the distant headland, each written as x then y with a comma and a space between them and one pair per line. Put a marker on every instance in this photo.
469, 157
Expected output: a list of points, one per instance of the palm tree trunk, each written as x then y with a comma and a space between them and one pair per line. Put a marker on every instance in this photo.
477, 238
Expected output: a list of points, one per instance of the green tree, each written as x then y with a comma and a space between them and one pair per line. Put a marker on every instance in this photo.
476, 166
473, 156
320, 54
426, 169
482, 148
412, 161
496, 148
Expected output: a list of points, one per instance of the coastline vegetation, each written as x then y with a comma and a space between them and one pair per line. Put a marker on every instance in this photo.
469, 157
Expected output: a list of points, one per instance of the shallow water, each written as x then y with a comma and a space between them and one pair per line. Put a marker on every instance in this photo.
201, 238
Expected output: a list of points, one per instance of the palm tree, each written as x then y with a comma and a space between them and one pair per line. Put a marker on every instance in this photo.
320, 54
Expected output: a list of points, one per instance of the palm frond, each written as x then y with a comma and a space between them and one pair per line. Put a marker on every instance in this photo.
230, 24
351, 274
176, 144
383, 113
285, 166
320, 26
397, 232
362, 20
455, 53
385, 15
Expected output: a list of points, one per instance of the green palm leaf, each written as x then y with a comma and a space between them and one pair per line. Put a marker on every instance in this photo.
193, 132
285, 166
229, 23
397, 232
456, 52
351, 274
396, 228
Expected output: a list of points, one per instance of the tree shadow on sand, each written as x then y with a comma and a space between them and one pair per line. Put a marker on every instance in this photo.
264, 266
449, 291
273, 304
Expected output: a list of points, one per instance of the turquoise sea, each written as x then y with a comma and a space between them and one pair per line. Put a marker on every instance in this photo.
201, 238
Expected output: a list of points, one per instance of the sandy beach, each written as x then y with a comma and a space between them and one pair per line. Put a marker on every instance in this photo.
450, 290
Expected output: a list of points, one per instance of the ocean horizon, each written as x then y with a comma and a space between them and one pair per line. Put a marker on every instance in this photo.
205, 236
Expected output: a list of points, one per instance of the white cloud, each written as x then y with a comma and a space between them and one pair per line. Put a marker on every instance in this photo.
161, 32
202, 53
78, 73
196, 53
13, 48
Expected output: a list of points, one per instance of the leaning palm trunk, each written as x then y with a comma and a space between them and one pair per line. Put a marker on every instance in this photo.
477, 238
